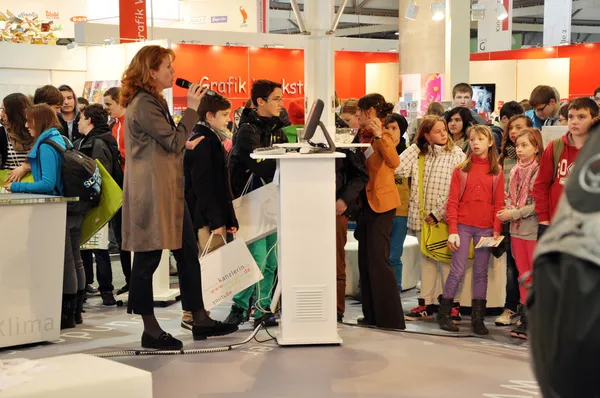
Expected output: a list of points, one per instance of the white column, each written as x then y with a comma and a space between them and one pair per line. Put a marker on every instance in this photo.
458, 52
319, 77
557, 22
428, 46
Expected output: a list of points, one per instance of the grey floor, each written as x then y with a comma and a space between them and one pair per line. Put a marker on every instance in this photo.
370, 363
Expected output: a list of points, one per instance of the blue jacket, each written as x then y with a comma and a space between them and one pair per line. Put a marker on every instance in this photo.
537, 122
46, 167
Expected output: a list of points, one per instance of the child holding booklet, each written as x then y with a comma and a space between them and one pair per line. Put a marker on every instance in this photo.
521, 211
476, 196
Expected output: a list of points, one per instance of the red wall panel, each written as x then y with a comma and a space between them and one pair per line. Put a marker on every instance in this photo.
231, 70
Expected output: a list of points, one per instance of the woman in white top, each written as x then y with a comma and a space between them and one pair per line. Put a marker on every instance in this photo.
441, 158
15, 140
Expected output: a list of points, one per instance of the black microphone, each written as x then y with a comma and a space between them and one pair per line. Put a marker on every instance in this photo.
183, 83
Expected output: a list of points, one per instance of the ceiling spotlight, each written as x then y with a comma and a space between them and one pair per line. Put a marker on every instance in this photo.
477, 12
501, 13
412, 10
438, 11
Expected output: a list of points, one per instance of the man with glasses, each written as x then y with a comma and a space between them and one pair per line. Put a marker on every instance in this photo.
259, 128
545, 101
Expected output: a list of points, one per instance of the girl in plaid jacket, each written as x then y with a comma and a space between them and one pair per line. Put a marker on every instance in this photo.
441, 158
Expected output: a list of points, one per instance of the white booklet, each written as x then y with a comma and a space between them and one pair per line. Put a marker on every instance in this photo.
489, 242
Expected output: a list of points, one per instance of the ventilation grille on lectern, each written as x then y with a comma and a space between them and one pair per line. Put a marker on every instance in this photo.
310, 303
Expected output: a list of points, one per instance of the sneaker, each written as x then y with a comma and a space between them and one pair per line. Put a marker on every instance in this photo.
421, 312
236, 316
455, 314
187, 324
91, 291
123, 290
508, 317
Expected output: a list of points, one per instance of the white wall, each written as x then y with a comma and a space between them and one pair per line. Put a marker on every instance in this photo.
26, 67
383, 79
553, 72
501, 73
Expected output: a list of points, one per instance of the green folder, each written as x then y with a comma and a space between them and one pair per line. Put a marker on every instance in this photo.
4, 175
111, 199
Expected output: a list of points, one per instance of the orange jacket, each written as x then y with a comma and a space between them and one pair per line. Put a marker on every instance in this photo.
118, 131
382, 193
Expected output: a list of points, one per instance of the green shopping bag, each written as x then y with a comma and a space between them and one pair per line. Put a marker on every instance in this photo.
4, 176
111, 199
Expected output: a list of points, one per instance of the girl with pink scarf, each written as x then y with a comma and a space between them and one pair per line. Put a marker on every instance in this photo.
520, 212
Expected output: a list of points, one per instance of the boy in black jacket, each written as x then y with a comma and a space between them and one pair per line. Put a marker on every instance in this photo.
260, 127
207, 192
97, 142
351, 177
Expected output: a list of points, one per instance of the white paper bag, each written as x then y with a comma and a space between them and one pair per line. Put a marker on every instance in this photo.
257, 213
99, 241
227, 271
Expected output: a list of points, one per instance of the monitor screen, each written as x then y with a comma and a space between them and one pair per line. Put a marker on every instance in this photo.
314, 117
484, 97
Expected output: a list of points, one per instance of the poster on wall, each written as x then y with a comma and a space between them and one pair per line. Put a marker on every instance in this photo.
431, 89
93, 91
61, 14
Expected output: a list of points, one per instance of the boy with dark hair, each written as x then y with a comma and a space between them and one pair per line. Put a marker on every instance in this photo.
82, 103
69, 113
260, 127
559, 157
207, 191
462, 95
50, 96
508, 110
545, 102
98, 143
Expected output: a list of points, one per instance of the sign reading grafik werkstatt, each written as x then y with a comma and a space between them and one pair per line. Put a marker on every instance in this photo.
237, 85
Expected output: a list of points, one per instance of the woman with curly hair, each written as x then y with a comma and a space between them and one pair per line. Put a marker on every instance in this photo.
155, 215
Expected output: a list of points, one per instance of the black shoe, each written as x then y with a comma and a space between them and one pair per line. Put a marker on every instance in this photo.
67, 315
108, 299
340, 318
521, 331
478, 316
444, 314
164, 342
79, 307
268, 320
236, 316
123, 290
217, 329
362, 321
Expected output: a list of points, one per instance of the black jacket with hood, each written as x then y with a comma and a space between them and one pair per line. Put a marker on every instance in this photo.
207, 191
102, 145
254, 132
65, 127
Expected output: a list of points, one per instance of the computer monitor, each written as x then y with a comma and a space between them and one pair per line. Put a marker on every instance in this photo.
484, 96
314, 121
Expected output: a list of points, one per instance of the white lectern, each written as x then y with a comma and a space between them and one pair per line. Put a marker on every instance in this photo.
306, 249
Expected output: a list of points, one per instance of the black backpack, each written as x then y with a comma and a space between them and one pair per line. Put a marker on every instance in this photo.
563, 302
80, 175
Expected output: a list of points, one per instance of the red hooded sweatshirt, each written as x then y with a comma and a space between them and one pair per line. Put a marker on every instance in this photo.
118, 131
548, 188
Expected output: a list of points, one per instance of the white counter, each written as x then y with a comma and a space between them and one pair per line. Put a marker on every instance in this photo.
32, 246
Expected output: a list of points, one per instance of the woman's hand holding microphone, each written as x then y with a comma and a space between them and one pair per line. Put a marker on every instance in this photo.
195, 94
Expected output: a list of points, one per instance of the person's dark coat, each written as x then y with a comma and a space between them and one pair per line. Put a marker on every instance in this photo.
254, 132
100, 144
351, 178
3, 147
207, 191
65, 127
